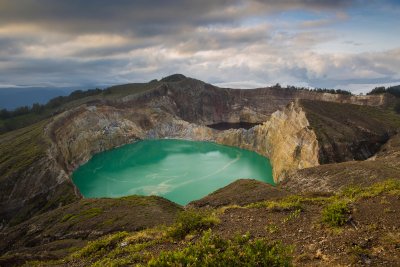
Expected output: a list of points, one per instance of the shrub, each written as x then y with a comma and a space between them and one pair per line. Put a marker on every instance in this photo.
189, 221
336, 213
212, 250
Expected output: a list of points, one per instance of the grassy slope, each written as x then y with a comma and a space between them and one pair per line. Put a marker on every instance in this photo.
20, 148
346, 131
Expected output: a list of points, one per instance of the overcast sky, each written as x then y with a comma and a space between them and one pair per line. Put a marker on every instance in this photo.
337, 44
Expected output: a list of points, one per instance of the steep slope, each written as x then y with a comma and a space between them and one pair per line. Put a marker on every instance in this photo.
349, 132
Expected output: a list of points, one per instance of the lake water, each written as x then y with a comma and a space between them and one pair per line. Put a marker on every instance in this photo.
178, 170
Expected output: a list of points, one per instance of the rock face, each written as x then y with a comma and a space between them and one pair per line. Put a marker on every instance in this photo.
285, 139
179, 108
349, 132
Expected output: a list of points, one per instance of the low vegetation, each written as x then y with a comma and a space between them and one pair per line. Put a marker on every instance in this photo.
212, 250
289, 203
195, 239
191, 221
336, 213
393, 90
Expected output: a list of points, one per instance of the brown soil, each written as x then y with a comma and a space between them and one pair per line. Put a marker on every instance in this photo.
370, 238
240, 192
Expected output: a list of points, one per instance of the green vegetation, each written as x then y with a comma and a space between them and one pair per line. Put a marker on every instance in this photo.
391, 187
318, 90
289, 203
22, 148
99, 247
25, 116
190, 221
191, 242
336, 213
393, 90
83, 215
212, 250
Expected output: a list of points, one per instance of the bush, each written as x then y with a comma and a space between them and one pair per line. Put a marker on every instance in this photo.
336, 213
212, 250
189, 221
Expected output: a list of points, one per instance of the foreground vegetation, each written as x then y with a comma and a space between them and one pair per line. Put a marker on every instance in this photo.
195, 239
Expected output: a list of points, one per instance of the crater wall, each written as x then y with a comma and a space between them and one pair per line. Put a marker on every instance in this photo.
286, 134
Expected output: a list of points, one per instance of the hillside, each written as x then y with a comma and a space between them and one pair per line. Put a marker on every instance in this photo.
330, 153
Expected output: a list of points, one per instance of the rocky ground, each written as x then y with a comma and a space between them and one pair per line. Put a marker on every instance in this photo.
358, 226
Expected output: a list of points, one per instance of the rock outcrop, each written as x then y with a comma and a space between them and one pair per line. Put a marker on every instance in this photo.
285, 139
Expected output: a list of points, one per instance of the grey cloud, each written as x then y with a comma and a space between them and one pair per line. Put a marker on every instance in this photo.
141, 17
202, 39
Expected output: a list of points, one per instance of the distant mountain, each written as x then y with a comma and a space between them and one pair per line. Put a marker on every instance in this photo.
11, 98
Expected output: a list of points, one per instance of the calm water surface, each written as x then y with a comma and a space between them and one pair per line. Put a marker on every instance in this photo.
178, 170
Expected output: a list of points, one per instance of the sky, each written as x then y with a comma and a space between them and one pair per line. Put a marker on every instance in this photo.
353, 45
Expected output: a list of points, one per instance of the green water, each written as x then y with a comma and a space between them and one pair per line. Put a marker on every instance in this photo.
178, 170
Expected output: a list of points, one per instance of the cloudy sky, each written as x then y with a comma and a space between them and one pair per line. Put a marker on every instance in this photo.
337, 44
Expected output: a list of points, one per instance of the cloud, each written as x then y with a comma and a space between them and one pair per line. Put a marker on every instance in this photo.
237, 42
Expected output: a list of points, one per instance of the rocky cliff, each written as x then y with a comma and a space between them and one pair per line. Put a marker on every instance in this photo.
285, 139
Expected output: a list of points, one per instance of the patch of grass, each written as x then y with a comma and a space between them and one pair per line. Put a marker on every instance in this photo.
336, 213
190, 221
289, 203
390, 186
100, 246
42, 263
83, 215
271, 228
212, 250
293, 215
225, 208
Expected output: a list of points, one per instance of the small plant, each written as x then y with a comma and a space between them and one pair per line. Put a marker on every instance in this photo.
190, 221
336, 213
212, 250
292, 216
360, 254
271, 228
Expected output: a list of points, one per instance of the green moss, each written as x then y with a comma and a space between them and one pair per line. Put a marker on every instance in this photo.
212, 250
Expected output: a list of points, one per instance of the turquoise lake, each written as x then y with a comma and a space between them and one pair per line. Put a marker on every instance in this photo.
178, 170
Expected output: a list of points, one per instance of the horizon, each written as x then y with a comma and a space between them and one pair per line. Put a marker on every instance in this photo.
349, 45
